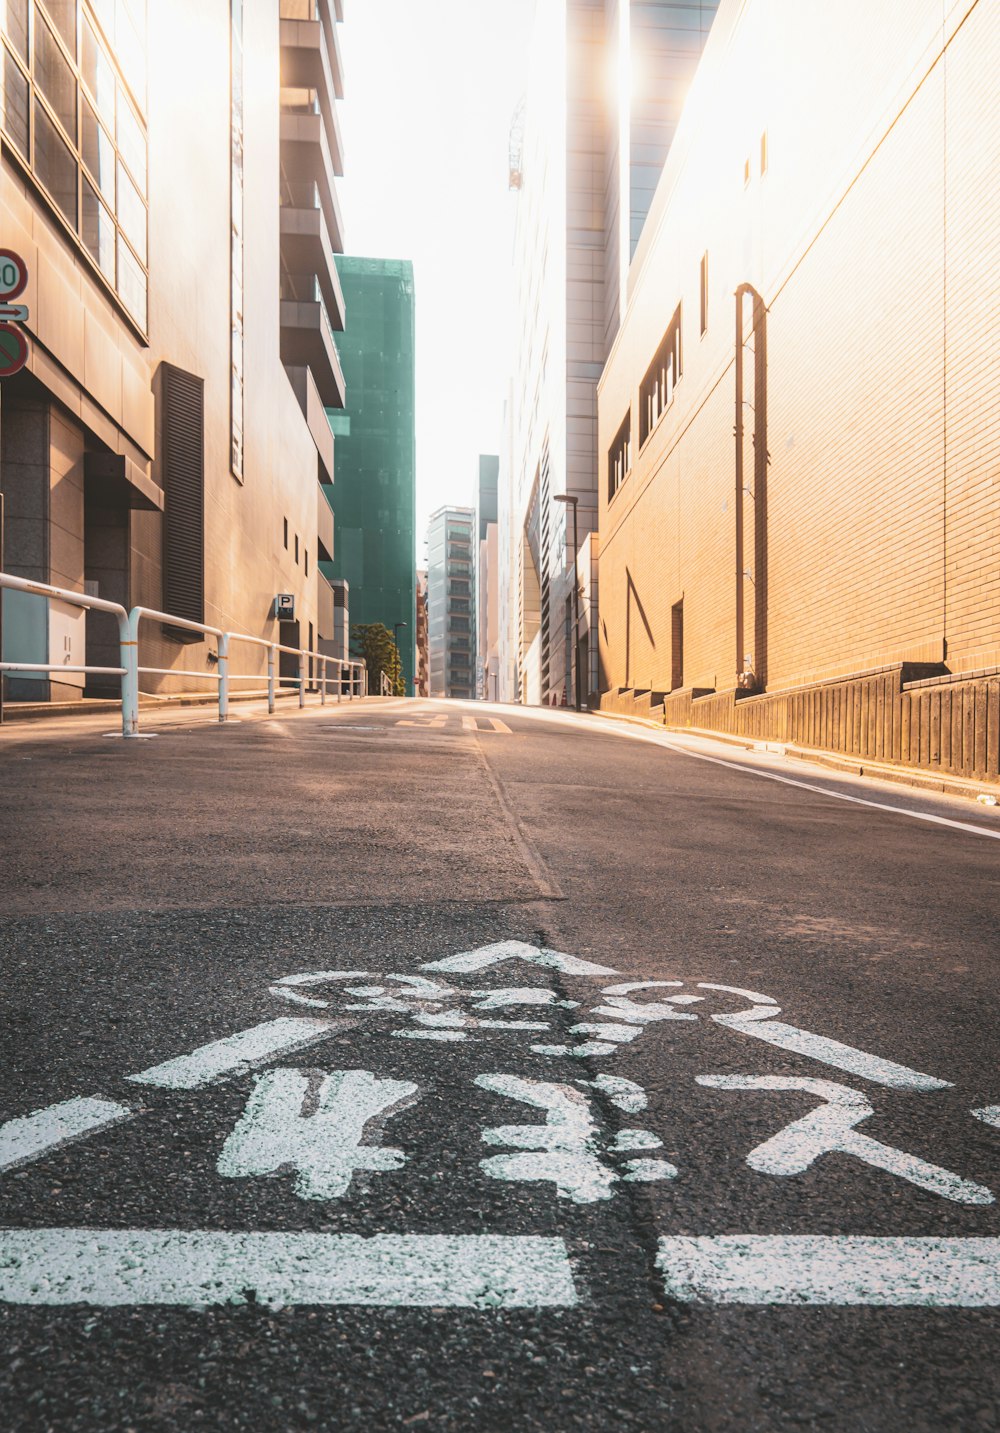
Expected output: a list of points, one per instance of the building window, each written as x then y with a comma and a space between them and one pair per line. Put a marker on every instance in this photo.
746, 173
307, 562
677, 645
296, 549
763, 153
704, 292
620, 456
71, 106
236, 236
183, 399
657, 390
286, 534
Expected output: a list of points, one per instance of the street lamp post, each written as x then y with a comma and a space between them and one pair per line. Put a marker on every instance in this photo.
573, 502
395, 637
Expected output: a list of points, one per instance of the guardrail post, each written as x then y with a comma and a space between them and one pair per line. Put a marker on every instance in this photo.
129, 645
322, 681
340, 680
302, 678
224, 677
270, 679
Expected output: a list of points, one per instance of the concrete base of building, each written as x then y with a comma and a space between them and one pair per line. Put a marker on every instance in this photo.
939, 729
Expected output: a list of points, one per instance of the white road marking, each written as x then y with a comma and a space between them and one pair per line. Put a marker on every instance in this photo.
471, 723
31, 1136
625, 1094
564, 1150
990, 1115
830, 1130
831, 1052
561, 1150
488, 955
235, 1054
109, 1267
832, 1269
824, 791
324, 1147
426, 722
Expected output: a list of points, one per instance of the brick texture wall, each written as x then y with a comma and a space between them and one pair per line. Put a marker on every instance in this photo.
873, 237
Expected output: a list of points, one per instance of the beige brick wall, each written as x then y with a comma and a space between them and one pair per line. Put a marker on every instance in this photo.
874, 239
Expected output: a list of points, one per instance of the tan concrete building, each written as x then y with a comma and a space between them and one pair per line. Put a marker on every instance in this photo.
169, 176
799, 505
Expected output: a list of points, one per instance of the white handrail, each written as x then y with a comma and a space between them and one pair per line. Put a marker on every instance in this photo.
129, 671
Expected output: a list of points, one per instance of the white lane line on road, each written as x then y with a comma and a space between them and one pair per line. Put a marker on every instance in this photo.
235, 1053
832, 1052
29, 1137
832, 1269
990, 1115
109, 1267
821, 790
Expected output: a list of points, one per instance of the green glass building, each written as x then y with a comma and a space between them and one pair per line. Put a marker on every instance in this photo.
373, 495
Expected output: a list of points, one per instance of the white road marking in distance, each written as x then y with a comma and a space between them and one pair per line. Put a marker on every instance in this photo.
488, 955
832, 1269
820, 790
31, 1136
111, 1267
235, 1054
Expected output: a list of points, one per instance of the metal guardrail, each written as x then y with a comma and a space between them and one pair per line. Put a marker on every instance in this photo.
351, 679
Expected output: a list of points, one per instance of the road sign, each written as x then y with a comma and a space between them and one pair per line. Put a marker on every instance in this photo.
13, 275
284, 607
13, 350
13, 313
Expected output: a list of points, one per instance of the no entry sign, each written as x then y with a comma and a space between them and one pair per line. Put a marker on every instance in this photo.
13, 350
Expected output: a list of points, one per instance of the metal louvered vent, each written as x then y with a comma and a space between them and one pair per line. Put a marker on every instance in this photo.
184, 489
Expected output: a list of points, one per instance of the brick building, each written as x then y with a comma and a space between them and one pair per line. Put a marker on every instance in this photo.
799, 499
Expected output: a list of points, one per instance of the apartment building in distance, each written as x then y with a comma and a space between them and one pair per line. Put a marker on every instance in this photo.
167, 442
451, 617
606, 88
800, 445
423, 676
487, 582
374, 497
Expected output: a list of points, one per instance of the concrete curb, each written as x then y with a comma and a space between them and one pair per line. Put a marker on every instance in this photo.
836, 761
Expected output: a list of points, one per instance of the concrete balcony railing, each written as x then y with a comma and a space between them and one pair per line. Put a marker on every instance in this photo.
306, 163
305, 390
315, 12
307, 339
307, 88
307, 246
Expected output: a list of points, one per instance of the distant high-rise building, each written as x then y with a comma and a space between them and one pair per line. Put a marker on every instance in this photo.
374, 496
451, 621
487, 582
608, 81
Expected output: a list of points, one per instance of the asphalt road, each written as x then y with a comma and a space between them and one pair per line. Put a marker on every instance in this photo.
380, 1193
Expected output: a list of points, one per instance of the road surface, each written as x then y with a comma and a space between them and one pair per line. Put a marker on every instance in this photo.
408, 1064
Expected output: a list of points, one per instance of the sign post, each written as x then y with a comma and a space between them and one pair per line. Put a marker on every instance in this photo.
13, 357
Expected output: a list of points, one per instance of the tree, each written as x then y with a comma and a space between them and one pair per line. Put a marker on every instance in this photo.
376, 644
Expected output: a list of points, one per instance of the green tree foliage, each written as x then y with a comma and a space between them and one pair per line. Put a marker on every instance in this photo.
375, 643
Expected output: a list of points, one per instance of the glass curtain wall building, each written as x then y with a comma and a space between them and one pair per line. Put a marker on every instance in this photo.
451, 618
374, 496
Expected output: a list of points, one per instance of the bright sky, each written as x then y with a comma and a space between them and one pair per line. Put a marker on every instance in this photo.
430, 88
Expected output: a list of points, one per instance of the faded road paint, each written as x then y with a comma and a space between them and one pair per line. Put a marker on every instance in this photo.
832, 1269
109, 1267
235, 1054
31, 1136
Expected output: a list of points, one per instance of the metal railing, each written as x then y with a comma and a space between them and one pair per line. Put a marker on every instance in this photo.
350, 679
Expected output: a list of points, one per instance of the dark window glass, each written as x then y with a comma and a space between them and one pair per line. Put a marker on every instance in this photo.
14, 24
54, 164
54, 77
98, 151
97, 229
62, 13
14, 103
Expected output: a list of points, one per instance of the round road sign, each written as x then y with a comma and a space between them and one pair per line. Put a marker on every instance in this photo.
13, 350
13, 275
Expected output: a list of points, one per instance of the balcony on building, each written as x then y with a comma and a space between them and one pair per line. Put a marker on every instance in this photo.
307, 337
307, 245
310, 49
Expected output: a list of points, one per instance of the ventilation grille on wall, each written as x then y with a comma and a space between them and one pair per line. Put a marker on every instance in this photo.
184, 490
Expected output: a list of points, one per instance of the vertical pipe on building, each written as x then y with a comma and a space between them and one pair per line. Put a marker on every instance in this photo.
760, 487
223, 676
738, 430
